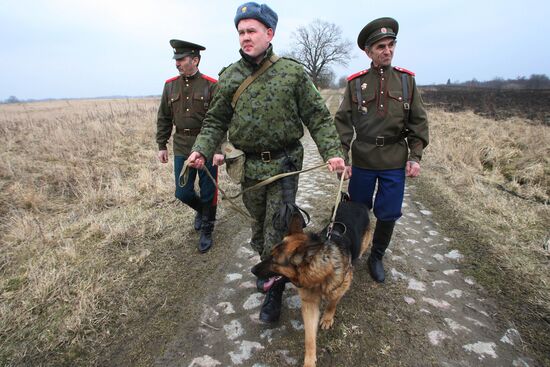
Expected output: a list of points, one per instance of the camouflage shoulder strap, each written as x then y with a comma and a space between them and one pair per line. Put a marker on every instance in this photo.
206, 95
250, 79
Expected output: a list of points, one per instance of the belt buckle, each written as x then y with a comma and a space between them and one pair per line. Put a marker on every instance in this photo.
406, 106
266, 156
186, 131
379, 141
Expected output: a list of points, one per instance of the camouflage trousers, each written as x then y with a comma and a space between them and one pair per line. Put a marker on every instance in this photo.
262, 204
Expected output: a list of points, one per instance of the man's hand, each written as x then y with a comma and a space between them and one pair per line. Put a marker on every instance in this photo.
412, 169
196, 160
163, 156
347, 173
336, 164
218, 160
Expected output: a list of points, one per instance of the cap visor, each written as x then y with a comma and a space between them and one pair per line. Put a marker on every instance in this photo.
180, 56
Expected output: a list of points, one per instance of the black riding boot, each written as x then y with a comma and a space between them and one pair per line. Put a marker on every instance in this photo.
196, 204
198, 221
380, 241
271, 308
207, 227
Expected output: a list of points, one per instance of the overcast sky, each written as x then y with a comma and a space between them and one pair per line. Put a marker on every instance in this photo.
71, 48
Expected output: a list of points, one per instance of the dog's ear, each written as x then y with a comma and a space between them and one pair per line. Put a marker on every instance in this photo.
297, 259
296, 224
311, 250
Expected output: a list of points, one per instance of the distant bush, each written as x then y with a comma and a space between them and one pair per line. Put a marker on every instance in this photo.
12, 99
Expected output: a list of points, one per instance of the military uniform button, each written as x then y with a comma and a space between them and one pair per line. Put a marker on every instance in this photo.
382, 92
187, 109
186, 85
187, 97
363, 101
400, 98
381, 106
202, 97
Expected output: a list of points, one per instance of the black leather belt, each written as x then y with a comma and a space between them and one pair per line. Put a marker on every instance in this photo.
380, 141
268, 155
189, 132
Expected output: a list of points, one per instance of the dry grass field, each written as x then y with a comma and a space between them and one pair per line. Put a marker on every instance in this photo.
80, 195
488, 183
89, 234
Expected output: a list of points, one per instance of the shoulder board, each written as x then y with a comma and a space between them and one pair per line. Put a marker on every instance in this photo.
210, 79
403, 70
172, 79
353, 76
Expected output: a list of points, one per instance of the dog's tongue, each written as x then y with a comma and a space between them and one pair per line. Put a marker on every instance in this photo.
270, 282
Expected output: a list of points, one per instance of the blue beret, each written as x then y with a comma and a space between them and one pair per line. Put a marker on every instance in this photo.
261, 13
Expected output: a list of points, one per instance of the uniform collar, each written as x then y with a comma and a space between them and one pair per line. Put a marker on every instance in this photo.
196, 75
251, 62
380, 70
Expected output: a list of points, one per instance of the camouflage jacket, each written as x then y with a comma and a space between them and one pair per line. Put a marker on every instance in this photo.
184, 103
268, 115
374, 106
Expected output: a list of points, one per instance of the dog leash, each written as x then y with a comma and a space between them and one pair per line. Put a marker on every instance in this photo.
254, 187
275, 178
338, 199
184, 173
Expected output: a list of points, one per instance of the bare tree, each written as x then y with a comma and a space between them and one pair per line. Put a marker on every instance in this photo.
318, 46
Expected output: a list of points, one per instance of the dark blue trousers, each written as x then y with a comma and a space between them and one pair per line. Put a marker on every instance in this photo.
390, 189
187, 194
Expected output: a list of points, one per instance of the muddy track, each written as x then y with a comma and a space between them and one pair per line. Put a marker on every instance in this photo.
427, 312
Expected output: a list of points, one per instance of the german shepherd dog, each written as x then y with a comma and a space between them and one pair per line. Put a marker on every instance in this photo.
320, 265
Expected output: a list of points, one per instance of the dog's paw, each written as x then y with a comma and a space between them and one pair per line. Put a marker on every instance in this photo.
326, 322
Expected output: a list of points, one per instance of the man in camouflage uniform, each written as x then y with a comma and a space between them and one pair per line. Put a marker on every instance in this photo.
384, 108
266, 123
184, 103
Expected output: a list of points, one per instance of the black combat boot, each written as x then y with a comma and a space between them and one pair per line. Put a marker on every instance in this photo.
271, 308
207, 227
380, 241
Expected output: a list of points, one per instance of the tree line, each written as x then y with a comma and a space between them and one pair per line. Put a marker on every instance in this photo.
535, 81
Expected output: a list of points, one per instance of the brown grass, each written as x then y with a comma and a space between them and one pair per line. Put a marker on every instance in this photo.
78, 180
85, 208
489, 183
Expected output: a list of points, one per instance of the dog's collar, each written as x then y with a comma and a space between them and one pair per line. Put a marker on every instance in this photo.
337, 230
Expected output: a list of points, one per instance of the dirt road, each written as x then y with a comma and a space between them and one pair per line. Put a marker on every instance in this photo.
427, 313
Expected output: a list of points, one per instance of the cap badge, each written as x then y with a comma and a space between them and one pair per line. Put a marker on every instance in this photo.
175, 51
383, 30
243, 9
363, 86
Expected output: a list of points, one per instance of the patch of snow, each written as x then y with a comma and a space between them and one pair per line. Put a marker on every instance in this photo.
437, 336
482, 349
244, 351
